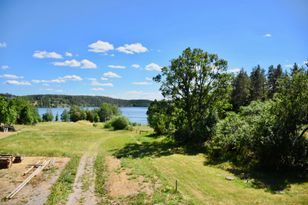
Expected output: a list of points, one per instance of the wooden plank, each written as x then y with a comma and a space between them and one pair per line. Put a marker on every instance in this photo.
32, 166
36, 172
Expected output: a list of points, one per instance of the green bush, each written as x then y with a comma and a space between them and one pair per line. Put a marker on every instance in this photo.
107, 124
160, 117
48, 116
119, 123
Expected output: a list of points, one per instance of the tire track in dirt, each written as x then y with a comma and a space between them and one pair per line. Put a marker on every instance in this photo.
84, 184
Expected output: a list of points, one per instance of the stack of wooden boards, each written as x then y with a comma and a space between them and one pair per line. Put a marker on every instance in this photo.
6, 161
39, 167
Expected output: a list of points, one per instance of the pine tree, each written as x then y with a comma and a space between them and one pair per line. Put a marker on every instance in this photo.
241, 90
258, 84
273, 76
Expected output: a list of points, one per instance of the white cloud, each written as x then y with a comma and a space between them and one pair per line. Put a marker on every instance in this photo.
5, 67
289, 66
132, 48
85, 64
15, 82
60, 79
68, 54
267, 35
45, 54
11, 76
141, 83
234, 70
100, 47
136, 66
148, 79
98, 89
53, 90
69, 63
96, 83
3, 45
103, 78
72, 77
137, 94
153, 67
111, 75
91, 79
117, 66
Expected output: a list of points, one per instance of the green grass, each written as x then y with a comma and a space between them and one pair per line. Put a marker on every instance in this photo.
156, 158
64, 185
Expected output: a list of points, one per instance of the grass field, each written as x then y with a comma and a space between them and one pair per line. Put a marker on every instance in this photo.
153, 157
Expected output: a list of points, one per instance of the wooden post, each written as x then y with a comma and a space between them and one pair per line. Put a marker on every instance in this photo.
176, 185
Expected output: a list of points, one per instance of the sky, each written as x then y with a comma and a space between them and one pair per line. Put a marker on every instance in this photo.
114, 48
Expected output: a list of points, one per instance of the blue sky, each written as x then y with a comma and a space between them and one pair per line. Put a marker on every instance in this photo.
114, 48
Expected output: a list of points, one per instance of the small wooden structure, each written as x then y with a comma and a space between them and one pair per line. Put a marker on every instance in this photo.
6, 160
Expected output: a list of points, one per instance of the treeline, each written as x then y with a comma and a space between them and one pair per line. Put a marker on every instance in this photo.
17, 110
256, 120
79, 100
107, 112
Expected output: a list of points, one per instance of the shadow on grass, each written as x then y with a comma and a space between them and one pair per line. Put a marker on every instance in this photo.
272, 181
156, 149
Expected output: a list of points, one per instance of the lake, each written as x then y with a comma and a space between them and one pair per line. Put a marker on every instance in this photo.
134, 114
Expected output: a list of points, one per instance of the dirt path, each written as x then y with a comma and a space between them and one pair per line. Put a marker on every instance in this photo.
84, 185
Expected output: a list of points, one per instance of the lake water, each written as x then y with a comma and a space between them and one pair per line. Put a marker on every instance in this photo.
134, 114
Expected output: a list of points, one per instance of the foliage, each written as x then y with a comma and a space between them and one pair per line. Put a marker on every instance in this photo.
281, 143
26, 112
65, 117
107, 111
80, 100
92, 115
240, 95
160, 117
48, 116
119, 123
269, 134
258, 84
76, 113
198, 86
273, 77
235, 134
8, 112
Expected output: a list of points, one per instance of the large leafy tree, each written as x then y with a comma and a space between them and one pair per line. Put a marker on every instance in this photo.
26, 112
241, 90
258, 84
197, 84
8, 112
107, 111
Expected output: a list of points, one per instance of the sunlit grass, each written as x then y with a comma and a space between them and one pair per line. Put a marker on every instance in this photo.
150, 156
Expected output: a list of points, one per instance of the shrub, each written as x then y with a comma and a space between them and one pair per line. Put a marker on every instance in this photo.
119, 123
48, 116
107, 111
107, 124
160, 117
65, 117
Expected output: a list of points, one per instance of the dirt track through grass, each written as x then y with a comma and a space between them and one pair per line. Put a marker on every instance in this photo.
83, 188
144, 155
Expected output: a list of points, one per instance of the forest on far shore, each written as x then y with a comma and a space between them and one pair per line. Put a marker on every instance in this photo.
78, 100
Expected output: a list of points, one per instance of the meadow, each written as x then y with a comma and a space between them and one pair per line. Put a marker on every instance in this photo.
157, 159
